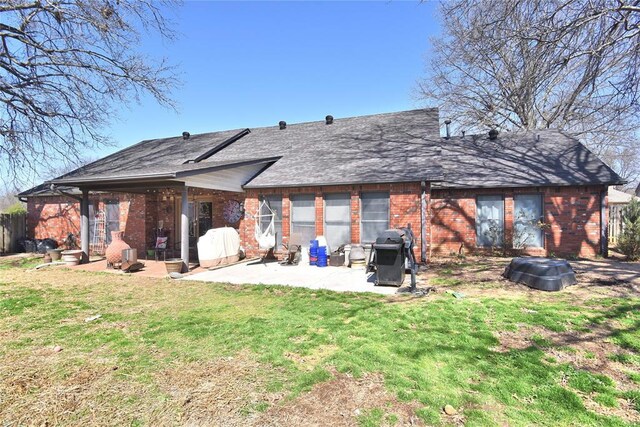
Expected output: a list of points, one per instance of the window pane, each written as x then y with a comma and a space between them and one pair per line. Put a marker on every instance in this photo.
205, 217
490, 221
275, 203
375, 206
374, 215
337, 219
303, 219
527, 215
371, 230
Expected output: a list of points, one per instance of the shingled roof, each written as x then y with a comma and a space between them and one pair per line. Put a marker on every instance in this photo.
383, 148
521, 159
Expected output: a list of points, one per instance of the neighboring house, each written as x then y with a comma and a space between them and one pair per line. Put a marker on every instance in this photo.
347, 179
617, 201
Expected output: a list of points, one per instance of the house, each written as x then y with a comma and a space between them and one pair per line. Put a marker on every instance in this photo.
348, 179
617, 201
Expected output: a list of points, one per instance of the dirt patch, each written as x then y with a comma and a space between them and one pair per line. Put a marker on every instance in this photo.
46, 389
339, 402
223, 392
481, 276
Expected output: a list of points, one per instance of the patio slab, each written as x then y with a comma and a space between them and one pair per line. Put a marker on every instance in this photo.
152, 268
339, 279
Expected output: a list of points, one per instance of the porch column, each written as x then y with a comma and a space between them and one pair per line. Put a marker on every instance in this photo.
184, 229
84, 226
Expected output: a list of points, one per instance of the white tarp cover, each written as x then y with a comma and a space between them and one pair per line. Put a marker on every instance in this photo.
219, 246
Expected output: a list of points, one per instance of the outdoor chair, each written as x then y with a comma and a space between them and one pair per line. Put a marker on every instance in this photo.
161, 247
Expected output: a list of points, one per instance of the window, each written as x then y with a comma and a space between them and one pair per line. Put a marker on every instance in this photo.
275, 203
337, 219
526, 218
303, 219
490, 221
112, 217
374, 215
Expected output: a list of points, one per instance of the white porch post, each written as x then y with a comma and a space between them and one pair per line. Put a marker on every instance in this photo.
184, 229
84, 226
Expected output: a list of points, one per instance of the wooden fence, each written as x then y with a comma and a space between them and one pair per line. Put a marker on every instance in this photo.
615, 223
12, 228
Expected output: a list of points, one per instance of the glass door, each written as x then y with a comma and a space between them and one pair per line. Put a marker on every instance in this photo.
200, 219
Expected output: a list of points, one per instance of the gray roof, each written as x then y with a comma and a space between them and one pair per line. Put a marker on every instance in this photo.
522, 159
393, 147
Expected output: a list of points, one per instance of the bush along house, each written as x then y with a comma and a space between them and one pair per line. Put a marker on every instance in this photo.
539, 193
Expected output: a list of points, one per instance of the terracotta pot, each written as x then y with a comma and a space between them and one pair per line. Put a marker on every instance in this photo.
115, 248
173, 265
72, 257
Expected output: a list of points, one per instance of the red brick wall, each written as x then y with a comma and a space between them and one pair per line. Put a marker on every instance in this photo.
56, 216
572, 213
404, 206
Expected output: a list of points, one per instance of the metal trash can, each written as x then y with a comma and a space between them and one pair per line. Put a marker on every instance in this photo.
129, 256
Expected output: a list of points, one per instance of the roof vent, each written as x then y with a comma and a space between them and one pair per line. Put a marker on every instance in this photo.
447, 123
493, 134
185, 135
329, 119
282, 124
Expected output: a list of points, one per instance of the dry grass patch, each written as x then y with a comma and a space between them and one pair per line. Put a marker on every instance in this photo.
342, 401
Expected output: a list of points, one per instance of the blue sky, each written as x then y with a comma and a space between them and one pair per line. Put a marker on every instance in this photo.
249, 64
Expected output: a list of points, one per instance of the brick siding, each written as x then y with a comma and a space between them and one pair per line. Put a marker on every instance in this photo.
404, 207
56, 216
572, 215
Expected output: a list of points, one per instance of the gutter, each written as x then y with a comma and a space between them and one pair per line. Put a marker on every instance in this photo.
115, 179
423, 222
57, 190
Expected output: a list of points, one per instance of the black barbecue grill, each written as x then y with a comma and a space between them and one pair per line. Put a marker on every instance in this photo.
392, 255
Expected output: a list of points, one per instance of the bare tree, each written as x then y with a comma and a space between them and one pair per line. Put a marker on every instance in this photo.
64, 66
534, 64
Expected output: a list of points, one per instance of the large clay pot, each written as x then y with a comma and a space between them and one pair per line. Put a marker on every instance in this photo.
173, 265
72, 257
115, 248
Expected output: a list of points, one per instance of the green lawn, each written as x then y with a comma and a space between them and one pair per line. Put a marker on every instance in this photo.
167, 352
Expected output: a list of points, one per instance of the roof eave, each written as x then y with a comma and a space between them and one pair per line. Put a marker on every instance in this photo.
248, 186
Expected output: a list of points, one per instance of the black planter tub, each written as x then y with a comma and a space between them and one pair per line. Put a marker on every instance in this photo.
541, 273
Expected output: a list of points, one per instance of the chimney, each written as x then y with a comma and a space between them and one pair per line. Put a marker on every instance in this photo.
328, 120
447, 123
185, 135
493, 134
282, 124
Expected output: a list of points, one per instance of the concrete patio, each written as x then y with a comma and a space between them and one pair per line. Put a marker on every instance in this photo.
339, 279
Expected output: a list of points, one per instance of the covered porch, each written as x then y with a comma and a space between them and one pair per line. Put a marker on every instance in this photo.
185, 204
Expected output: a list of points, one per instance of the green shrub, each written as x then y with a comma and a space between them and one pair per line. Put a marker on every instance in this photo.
16, 208
629, 242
